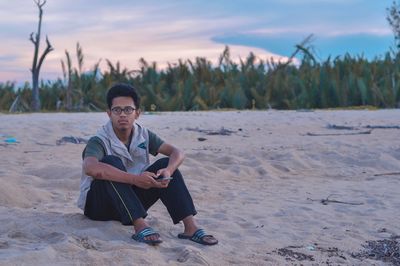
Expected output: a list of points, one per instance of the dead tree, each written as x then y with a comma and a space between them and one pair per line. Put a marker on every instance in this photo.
37, 62
67, 73
393, 18
299, 47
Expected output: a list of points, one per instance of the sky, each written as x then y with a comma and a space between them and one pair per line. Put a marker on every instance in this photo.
164, 31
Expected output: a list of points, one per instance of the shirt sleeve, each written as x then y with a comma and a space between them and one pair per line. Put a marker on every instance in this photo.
154, 143
94, 148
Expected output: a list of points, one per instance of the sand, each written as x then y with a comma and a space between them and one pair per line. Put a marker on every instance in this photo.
258, 189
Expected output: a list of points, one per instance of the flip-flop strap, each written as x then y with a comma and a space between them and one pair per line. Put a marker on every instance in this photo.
148, 231
198, 235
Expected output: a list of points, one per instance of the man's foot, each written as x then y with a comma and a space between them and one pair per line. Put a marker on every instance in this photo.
199, 236
140, 226
147, 235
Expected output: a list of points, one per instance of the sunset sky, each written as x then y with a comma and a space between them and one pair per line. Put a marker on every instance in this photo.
164, 31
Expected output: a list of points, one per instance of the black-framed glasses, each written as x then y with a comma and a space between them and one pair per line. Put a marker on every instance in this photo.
127, 110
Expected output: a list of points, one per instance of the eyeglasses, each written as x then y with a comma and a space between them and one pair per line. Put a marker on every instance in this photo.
127, 110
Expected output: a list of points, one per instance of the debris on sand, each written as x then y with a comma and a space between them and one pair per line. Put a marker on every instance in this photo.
71, 139
223, 131
386, 250
291, 255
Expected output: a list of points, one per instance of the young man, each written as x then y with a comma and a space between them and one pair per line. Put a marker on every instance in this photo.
118, 182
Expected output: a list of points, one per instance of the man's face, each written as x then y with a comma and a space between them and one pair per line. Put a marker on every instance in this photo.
119, 113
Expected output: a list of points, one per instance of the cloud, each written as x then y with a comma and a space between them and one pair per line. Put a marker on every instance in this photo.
322, 30
132, 35
164, 31
8, 58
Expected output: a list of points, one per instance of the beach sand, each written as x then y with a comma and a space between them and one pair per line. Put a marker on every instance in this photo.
257, 189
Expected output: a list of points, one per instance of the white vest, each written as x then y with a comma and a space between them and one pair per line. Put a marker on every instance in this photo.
136, 160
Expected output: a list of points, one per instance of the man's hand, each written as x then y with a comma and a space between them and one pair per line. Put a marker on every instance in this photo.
147, 180
164, 172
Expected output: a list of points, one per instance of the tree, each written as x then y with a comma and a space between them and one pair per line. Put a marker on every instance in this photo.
37, 62
393, 17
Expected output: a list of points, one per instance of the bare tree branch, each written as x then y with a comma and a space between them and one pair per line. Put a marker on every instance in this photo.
39, 3
31, 38
48, 49
298, 48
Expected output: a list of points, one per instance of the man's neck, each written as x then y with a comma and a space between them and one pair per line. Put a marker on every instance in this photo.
124, 135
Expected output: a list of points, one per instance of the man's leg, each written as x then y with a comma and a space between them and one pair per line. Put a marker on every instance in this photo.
175, 197
109, 200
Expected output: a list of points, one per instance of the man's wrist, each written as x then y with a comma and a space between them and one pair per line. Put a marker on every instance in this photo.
170, 170
132, 179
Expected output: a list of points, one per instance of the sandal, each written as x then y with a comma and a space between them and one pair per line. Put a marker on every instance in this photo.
148, 231
198, 237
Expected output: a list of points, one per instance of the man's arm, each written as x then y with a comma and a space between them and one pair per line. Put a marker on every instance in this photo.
175, 155
98, 170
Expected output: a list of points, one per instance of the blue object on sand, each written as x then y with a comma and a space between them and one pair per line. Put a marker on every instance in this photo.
11, 140
312, 248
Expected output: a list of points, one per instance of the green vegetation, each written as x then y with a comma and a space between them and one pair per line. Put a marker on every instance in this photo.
200, 85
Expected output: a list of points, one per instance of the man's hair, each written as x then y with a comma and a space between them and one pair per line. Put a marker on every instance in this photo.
124, 90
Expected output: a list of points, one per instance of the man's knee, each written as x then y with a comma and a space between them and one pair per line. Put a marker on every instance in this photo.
114, 161
163, 162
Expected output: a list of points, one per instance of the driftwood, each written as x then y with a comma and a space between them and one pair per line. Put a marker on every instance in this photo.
71, 139
342, 134
339, 127
392, 173
383, 127
43, 144
31, 151
327, 200
333, 126
223, 131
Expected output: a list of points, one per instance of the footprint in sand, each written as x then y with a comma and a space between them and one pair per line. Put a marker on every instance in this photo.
16, 234
37, 239
261, 171
4, 245
23, 238
86, 242
281, 168
53, 238
193, 255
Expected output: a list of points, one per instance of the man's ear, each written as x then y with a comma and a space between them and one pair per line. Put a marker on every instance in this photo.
109, 112
138, 112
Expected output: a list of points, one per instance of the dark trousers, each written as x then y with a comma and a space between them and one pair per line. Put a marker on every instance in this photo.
110, 200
